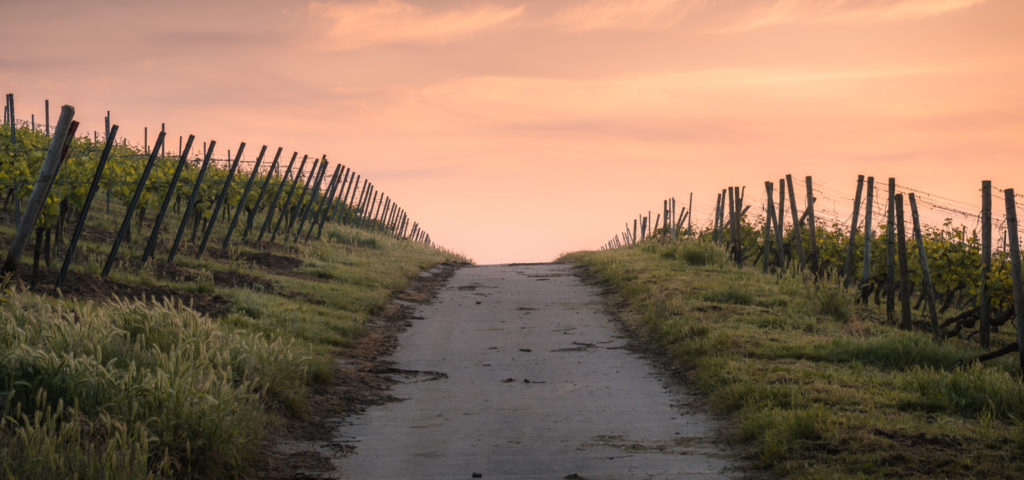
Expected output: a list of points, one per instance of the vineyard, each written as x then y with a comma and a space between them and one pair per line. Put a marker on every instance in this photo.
171, 204
945, 281
178, 306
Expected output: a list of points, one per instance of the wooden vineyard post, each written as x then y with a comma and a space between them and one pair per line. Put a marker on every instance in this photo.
1018, 290
769, 218
901, 242
241, 202
780, 225
633, 237
220, 201
348, 201
126, 223
325, 209
851, 245
313, 192
10, 113
868, 204
155, 234
890, 255
737, 244
812, 258
300, 204
336, 202
797, 235
80, 224
48, 171
251, 218
926, 275
288, 198
325, 199
985, 307
46, 106
277, 196
191, 205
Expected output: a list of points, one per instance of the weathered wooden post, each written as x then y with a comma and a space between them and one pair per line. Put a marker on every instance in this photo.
851, 245
251, 218
797, 235
288, 198
812, 257
245, 194
190, 206
1018, 290
220, 200
48, 171
868, 203
80, 224
126, 223
890, 255
155, 234
269, 218
926, 274
901, 242
985, 307
769, 215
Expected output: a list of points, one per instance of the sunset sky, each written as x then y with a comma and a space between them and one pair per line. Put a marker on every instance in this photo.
517, 130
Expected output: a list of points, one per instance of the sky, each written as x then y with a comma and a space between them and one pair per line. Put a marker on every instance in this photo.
517, 130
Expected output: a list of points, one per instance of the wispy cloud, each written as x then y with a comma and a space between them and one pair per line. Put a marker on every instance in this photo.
783, 12
393, 22
597, 15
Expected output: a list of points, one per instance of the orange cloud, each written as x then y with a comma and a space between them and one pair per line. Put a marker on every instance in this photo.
781, 12
622, 15
393, 22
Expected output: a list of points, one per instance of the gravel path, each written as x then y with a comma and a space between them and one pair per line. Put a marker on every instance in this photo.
516, 371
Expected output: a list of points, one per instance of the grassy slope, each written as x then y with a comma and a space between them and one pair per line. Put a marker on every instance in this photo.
151, 389
814, 384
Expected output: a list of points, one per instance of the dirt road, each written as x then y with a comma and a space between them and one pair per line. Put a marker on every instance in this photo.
515, 371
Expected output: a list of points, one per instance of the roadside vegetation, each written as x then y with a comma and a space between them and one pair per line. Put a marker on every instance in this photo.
812, 381
184, 379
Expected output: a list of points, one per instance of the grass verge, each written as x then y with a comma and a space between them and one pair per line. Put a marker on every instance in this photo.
814, 384
184, 386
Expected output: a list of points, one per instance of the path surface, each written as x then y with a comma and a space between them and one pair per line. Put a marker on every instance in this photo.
515, 371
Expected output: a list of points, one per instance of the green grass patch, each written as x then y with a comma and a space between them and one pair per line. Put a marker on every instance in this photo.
815, 384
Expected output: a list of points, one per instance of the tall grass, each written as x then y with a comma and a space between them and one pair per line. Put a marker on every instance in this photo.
162, 384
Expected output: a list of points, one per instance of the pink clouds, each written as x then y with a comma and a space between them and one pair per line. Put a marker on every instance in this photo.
393, 22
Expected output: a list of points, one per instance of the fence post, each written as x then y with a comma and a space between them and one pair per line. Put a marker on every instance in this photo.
324, 210
208, 152
850, 246
245, 193
151, 244
769, 216
1018, 290
131, 207
10, 109
901, 242
797, 234
926, 274
812, 257
985, 309
250, 219
313, 191
220, 201
277, 196
890, 255
80, 225
300, 204
48, 171
312, 210
868, 204
288, 198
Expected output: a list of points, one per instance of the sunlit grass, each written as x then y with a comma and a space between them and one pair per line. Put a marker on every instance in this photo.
814, 383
